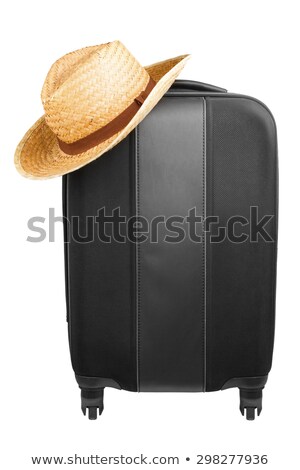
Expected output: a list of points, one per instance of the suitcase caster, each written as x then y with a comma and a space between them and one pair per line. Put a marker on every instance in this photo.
250, 400
93, 401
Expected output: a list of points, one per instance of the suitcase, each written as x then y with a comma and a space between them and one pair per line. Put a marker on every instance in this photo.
170, 252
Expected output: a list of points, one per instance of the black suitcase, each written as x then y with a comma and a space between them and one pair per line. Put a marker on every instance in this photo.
170, 250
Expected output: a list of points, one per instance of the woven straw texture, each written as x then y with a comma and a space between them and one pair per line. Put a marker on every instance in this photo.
84, 91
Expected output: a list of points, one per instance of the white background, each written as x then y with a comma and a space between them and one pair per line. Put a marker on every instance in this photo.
249, 47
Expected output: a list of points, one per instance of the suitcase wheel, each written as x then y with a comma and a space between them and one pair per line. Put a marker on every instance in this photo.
93, 412
92, 400
250, 413
250, 400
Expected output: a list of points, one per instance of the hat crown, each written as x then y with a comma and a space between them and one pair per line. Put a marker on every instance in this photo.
88, 88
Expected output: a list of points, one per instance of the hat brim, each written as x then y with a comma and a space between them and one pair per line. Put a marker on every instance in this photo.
38, 155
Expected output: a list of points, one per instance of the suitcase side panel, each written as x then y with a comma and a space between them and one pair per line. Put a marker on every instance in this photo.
101, 275
241, 172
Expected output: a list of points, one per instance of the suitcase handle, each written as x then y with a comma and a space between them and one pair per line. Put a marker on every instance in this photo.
192, 85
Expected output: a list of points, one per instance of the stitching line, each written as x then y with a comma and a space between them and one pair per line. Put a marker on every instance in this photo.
138, 263
204, 241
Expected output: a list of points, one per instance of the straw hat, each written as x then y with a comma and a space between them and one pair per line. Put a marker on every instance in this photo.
92, 98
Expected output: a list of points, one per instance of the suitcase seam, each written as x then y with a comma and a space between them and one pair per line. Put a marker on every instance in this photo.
204, 239
137, 256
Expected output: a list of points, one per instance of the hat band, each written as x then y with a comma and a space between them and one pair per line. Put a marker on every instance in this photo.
110, 129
